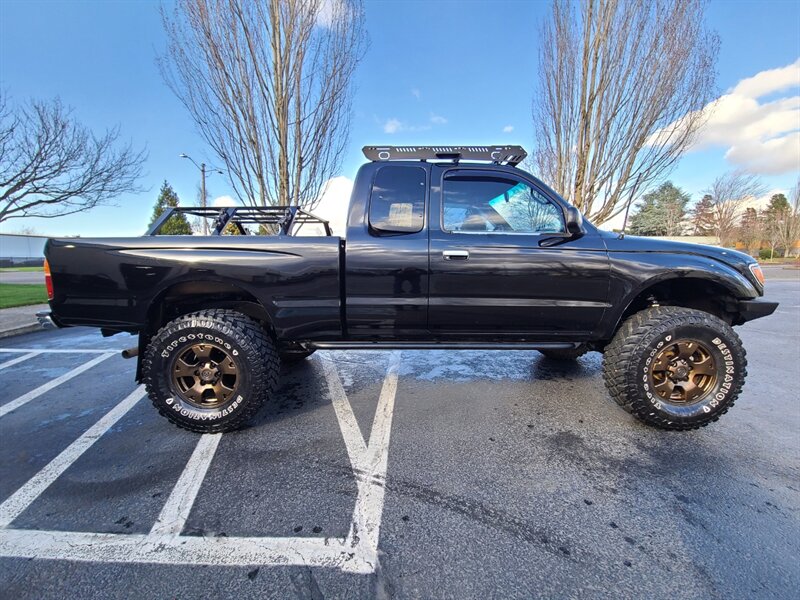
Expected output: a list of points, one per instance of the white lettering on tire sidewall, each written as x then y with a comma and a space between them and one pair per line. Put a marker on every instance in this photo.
189, 412
726, 376
174, 403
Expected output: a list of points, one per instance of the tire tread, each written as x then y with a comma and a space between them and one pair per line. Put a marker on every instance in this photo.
250, 335
626, 347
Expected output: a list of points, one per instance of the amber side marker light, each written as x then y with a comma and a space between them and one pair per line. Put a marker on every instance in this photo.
48, 280
755, 269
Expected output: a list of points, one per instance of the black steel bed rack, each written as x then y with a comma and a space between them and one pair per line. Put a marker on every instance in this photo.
287, 220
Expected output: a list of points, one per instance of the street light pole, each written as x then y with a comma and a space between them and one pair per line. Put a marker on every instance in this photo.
203, 193
202, 167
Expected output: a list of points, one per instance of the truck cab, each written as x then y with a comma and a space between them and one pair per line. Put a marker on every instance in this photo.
455, 251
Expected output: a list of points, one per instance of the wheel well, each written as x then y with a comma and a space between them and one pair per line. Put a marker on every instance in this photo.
699, 294
191, 296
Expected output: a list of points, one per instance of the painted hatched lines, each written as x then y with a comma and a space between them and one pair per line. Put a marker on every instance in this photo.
371, 474
173, 516
23, 497
19, 359
353, 440
180, 550
54, 383
164, 544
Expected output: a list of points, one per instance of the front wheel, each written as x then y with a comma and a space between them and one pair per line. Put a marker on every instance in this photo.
210, 371
675, 368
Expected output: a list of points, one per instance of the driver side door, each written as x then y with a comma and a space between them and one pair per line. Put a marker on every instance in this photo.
493, 272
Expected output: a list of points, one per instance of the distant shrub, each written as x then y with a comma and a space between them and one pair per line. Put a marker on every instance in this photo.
764, 254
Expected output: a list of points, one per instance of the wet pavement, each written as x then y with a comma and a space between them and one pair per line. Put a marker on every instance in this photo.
481, 474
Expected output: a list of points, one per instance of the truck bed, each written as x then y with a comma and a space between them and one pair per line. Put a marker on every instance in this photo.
116, 283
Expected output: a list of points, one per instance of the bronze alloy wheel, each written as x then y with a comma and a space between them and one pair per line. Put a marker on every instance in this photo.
683, 373
204, 375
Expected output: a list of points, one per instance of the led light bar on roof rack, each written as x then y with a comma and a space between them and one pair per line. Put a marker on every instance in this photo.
507, 155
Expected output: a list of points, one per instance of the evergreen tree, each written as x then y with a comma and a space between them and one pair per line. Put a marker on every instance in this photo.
661, 212
177, 224
778, 205
703, 216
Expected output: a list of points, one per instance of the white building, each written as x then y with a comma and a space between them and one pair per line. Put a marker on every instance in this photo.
21, 250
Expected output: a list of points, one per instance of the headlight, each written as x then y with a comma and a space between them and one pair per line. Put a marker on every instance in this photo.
755, 269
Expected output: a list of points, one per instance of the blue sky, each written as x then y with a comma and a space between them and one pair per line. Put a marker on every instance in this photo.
440, 72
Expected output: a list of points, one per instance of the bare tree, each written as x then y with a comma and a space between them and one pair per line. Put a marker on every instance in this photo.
729, 192
790, 234
51, 165
533, 212
783, 221
622, 87
268, 84
751, 230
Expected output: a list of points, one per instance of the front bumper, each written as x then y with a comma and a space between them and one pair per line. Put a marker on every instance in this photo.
755, 309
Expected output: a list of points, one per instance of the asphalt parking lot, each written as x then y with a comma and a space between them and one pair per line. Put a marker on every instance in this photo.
397, 475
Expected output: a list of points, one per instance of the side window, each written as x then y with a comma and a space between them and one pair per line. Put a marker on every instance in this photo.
477, 203
397, 202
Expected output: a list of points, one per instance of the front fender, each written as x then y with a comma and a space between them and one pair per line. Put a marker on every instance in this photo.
634, 273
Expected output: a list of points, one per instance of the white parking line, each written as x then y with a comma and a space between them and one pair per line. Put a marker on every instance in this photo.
180, 550
371, 479
24, 496
175, 512
357, 553
25, 398
353, 440
70, 351
19, 359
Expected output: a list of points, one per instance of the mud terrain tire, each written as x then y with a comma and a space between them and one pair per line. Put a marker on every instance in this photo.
210, 371
663, 353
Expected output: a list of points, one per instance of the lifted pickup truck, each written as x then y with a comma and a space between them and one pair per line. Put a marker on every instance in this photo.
446, 248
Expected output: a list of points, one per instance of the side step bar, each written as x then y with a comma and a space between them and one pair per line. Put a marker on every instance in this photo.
440, 345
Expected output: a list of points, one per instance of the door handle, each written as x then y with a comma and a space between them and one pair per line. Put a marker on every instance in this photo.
455, 255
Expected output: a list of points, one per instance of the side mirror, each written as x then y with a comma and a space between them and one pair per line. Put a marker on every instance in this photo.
574, 221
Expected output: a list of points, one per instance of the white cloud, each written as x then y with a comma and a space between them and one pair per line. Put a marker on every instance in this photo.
396, 126
772, 80
224, 201
416, 93
438, 119
332, 207
392, 126
332, 10
772, 156
508, 129
759, 137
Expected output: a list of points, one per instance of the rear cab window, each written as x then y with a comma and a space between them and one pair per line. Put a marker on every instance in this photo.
397, 201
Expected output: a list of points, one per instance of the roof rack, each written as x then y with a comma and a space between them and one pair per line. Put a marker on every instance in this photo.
502, 155
288, 219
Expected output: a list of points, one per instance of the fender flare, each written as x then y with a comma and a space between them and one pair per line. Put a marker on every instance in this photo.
734, 283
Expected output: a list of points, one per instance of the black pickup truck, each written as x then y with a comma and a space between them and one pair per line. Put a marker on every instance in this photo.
446, 248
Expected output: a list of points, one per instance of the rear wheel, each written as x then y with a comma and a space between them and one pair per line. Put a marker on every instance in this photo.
675, 368
210, 371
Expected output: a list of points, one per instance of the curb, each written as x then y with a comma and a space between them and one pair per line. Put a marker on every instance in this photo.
30, 328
